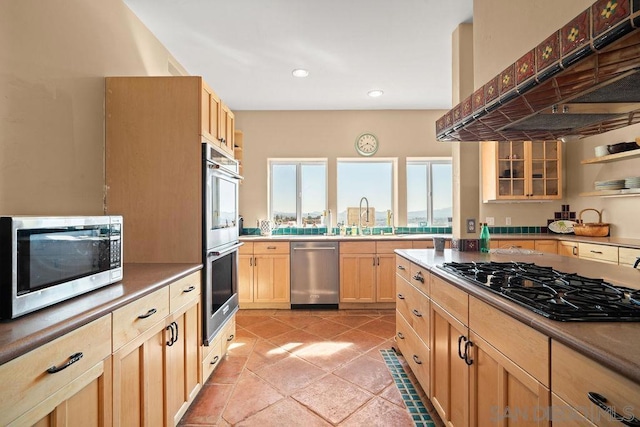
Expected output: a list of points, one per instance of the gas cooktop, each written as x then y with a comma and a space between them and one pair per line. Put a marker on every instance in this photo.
551, 293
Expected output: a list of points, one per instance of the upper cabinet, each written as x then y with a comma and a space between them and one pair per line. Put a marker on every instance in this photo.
521, 170
227, 128
210, 113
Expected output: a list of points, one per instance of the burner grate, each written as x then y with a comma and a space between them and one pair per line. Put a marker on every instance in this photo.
551, 293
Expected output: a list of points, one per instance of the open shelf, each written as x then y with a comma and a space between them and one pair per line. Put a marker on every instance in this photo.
613, 193
613, 157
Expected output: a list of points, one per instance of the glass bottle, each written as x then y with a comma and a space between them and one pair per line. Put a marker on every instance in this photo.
484, 238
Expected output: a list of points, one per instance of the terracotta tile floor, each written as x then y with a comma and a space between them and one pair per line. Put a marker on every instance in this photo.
305, 368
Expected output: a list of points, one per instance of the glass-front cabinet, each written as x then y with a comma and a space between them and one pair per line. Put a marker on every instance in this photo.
521, 170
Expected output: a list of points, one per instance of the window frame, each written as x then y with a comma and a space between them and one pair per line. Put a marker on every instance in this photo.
429, 162
297, 162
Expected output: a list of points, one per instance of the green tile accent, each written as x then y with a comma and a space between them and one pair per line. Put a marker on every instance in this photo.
416, 408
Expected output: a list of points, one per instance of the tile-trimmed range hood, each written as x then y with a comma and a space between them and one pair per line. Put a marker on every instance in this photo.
581, 80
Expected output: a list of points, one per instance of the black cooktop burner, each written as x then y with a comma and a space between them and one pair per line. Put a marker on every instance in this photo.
551, 293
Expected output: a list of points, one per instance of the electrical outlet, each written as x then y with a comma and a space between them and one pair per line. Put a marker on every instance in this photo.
471, 225
491, 220
508, 220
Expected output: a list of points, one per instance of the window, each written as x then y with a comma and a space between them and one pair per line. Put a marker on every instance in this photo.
429, 193
373, 179
298, 191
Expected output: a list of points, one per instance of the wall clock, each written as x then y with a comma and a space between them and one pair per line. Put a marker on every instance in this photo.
366, 144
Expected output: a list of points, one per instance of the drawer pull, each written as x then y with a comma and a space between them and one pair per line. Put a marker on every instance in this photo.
595, 252
574, 250
601, 402
271, 247
400, 335
215, 360
72, 359
148, 314
637, 263
417, 359
416, 313
189, 289
230, 338
400, 296
401, 267
419, 277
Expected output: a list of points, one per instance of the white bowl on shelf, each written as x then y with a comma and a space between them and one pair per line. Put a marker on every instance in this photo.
601, 150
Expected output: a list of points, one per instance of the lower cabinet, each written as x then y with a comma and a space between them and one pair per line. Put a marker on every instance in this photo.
600, 253
264, 275
547, 246
568, 248
628, 256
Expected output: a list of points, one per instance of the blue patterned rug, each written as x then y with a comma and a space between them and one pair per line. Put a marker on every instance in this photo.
409, 394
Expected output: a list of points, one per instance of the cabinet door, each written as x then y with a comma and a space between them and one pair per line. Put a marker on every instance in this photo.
569, 249
271, 278
501, 392
209, 113
547, 246
182, 360
357, 277
229, 139
138, 380
450, 373
545, 177
386, 278
245, 278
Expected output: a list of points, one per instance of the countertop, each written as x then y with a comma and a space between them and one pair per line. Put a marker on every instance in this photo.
612, 344
21, 335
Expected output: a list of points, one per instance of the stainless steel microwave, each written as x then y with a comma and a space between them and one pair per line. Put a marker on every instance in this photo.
46, 260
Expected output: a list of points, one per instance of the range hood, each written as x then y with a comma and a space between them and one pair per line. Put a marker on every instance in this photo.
581, 80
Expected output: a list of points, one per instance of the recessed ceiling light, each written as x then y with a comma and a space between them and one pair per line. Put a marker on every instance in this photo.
375, 93
300, 72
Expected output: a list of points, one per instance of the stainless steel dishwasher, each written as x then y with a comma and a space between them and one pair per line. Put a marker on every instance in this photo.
315, 281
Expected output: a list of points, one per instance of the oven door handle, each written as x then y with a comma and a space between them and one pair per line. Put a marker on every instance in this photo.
224, 251
224, 171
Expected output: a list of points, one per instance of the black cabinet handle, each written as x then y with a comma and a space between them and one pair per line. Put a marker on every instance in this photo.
401, 267
171, 337
637, 262
419, 277
574, 250
230, 337
596, 252
416, 313
460, 339
175, 325
189, 289
400, 296
417, 359
215, 360
72, 359
467, 358
148, 314
601, 402
400, 335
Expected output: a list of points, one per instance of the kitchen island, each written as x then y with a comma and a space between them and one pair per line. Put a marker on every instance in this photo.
557, 364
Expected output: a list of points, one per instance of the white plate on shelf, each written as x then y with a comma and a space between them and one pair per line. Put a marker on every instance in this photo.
563, 226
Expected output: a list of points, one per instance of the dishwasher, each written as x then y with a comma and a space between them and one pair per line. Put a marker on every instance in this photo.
315, 280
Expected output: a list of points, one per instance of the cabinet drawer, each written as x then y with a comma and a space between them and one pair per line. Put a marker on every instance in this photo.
135, 318
574, 375
184, 291
603, 253
268, 248
228, 335
387, 247
420, 278
357, 247
414, 307
246, 248
403, 268
525, 346
628, 256
414, 351
506, 244
212, 358
548, 246
455, 301
564, 415
25, 380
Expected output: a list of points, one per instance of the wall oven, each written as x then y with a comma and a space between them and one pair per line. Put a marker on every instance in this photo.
46, 260
220, 240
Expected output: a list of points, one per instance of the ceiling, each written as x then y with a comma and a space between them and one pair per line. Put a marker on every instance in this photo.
247, 49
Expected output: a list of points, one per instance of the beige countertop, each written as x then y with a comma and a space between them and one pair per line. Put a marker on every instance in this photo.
21, 335
613, 344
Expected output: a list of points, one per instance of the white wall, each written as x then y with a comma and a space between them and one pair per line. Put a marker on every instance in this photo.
54, 55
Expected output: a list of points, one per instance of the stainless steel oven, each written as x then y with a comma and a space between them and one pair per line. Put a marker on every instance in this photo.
221, 240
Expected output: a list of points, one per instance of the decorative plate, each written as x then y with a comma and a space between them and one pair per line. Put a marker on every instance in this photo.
563, 227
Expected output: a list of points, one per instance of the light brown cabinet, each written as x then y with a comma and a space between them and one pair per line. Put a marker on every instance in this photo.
546, 246
628, 256
264, 275
521, 170
512, 244
226, 133
601, 253
65, 382
568, 248
210, 114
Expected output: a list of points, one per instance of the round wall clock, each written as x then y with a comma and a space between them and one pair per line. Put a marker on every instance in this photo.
366, 144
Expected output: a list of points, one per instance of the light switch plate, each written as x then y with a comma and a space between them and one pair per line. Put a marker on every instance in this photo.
491, 220
471, 225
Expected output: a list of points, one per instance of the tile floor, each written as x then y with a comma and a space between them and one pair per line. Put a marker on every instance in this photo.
305, 368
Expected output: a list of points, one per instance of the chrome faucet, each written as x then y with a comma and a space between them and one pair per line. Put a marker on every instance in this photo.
366, 213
